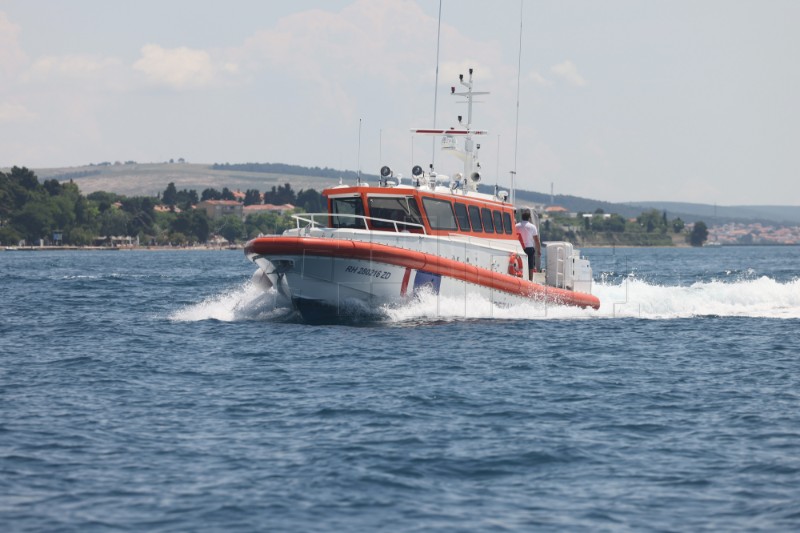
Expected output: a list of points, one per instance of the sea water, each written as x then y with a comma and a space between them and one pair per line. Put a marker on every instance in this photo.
161, 391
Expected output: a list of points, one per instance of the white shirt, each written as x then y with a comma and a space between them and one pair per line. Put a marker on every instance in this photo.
528, 232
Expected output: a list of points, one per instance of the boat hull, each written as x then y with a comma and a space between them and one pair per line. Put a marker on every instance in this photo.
343, 277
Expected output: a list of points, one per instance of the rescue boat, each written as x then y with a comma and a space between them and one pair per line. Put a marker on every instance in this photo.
379, 245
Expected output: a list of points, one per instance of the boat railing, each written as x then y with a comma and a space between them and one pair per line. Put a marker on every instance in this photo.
309, 220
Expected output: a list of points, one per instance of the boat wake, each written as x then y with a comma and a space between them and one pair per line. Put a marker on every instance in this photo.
756, 298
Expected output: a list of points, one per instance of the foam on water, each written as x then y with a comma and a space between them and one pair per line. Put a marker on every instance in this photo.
246, 302
757, 298
632, 298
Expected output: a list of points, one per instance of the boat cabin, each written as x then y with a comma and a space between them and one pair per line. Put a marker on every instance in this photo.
416, 210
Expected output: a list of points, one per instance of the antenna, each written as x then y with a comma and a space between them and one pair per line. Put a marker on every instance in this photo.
497, 164
513, 175
436, 83
516, 132
358, 173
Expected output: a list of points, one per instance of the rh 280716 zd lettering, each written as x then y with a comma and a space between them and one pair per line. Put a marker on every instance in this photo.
379, 274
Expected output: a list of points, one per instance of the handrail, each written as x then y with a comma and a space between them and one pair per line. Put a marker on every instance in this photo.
304, 217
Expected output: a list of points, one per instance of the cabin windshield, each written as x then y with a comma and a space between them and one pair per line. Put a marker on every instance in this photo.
399, 208
507, 226
475, 218
486, 215
440, 213
347, 206
462, 216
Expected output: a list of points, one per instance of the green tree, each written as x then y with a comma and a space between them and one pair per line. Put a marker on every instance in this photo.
252, 197
142, 214
9, 236
104, 200
280, 195
192, 224
79, 237
651, 221
310, 201
210, 194
34, 221
53, 187
186, 199
615, 223
114, 222
230, 227
170, 195
25, 178
262, 223
699, 234
16, 189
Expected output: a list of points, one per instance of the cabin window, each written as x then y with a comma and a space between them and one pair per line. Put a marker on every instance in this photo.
349, 211
475, 218
486, 216
462, 216
507, 226
402, 209
440, 213
497, 217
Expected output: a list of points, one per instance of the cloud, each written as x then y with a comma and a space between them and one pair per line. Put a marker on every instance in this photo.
325, 53
568, 72
14, 113
178, 68
538, 79
12, 57
364, 38
72, 66
388, 46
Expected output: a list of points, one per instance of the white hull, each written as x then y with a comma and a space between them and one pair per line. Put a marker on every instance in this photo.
325, 286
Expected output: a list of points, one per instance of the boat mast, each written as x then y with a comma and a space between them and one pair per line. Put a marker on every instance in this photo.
470, 157
471, 175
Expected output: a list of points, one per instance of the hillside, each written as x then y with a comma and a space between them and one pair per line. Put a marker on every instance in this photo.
152, 178
712, 214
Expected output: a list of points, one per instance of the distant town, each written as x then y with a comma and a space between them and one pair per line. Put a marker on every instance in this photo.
755, 233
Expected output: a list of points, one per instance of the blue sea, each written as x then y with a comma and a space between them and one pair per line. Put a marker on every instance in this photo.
160, 391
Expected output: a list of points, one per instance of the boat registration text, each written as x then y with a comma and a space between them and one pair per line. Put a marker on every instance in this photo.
380, 274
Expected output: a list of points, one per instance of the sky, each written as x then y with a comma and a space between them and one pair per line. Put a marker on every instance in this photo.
620, 100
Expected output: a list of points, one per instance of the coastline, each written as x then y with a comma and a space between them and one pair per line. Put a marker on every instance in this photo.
121, 248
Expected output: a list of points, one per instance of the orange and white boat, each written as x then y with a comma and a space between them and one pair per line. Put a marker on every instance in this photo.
379, 245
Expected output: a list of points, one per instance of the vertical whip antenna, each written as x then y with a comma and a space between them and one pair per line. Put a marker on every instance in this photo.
358, 166
516, 133
436, 83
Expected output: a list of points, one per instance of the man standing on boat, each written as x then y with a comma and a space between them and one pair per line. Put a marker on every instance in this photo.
529, 236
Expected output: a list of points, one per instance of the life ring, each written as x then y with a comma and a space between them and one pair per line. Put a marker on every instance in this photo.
515, 265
